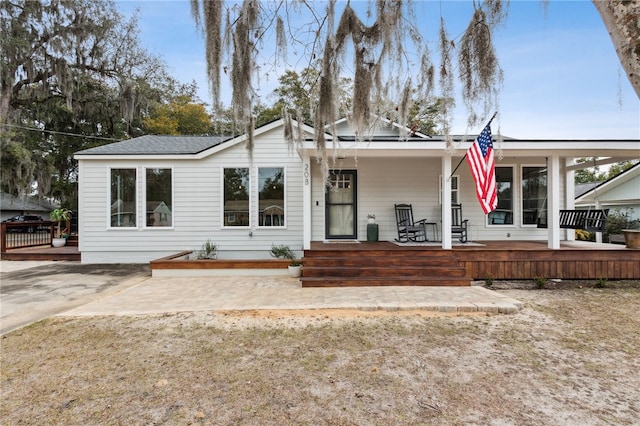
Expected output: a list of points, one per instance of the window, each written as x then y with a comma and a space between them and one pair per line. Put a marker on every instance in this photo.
159, 191
271, 196
123, 198
454, 189
236, 197
534, 194
503, 214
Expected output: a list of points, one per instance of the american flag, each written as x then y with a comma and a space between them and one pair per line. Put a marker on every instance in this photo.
481, 163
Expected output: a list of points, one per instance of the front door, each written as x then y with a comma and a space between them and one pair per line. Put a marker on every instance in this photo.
340, 202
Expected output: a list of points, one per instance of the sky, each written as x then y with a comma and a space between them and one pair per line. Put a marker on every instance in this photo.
562, 77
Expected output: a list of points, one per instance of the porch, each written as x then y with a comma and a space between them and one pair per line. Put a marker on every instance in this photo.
386, 263
33, 241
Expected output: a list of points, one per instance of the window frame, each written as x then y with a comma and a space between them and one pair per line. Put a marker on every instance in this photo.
136, 214
514, 198
257, 197
455, 190
250, 191
522, 195
144, 190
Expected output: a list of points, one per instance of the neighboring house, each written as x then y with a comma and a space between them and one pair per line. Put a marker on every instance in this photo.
12, 206
619, 193
213, 189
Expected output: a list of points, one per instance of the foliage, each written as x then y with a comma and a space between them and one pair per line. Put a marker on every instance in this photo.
392, 68
73, 76
60, 215
488, 280
284, 252
618, 220
181, 116
540, 282
208, 250
593, 174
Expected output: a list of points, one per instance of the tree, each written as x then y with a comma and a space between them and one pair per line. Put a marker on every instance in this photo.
384, 46
622, 19
181, 116
72, 76
391, 62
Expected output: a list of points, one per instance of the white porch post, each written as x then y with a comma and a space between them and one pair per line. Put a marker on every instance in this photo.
306, 203
553, 201
446, 202
569, 195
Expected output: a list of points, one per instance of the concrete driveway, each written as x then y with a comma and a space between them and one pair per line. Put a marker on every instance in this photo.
31, 291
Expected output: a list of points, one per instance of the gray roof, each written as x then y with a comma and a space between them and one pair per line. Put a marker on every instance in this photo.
162, 145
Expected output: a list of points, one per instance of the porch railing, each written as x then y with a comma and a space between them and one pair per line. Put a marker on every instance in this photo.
15, 235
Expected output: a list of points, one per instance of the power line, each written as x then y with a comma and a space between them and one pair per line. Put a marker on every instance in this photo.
35, 129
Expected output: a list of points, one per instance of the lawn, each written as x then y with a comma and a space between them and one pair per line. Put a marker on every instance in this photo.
570, 356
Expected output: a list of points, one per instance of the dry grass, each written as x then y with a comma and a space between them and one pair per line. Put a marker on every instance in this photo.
570, 357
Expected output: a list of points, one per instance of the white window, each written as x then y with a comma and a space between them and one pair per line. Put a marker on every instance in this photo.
454, 189
271, 191
159, 197
236, 197
123, 203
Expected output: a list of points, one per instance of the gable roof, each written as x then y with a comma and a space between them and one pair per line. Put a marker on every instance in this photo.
158, 145
632, 172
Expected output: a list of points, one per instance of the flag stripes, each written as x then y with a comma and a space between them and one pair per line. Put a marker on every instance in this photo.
482, 165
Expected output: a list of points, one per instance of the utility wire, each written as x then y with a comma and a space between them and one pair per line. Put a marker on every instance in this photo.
35, 129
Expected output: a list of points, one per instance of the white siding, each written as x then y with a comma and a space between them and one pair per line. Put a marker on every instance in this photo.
197, 209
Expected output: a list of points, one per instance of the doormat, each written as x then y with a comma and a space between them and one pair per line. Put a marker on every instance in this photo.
341, 242
436, 244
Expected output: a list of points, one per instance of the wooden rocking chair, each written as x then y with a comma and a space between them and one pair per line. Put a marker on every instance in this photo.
458, 225
408, 229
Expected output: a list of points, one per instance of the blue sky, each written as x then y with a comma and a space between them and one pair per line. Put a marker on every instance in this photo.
562, 77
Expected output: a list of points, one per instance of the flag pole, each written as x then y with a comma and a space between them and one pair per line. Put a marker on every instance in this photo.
465, 154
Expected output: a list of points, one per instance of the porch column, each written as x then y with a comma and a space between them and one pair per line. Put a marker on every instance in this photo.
446, 202
306, 203
569, 195
553, 201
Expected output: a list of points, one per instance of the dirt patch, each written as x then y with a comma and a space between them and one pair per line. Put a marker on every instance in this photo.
568, 357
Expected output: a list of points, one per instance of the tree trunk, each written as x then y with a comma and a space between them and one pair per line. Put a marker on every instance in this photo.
622, 19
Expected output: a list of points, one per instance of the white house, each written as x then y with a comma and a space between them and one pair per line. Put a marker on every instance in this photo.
620, 193
211, 188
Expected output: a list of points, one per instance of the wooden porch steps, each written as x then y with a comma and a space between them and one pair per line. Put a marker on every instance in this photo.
352, 268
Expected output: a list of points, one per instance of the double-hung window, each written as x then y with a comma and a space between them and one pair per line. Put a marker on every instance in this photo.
122, 206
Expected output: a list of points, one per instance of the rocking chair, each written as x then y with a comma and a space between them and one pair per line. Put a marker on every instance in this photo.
458, 225
408, 229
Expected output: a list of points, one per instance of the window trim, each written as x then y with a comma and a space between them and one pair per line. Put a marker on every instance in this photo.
257, 197
144, 195
110, 203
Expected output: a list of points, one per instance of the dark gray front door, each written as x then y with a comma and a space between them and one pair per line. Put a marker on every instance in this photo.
341, 208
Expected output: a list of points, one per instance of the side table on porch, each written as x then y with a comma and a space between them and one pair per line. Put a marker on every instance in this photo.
372, 232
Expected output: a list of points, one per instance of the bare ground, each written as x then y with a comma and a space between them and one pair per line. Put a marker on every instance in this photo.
569, 357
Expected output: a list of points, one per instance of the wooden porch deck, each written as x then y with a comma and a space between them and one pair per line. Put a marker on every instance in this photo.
47, 252
480, 260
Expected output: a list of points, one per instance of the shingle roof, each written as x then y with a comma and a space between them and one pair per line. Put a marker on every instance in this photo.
158, 145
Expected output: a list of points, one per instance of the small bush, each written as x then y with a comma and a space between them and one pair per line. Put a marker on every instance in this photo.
488, 281
540, 282
209, 250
